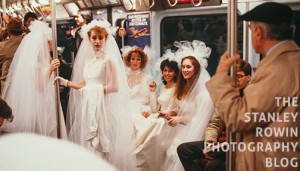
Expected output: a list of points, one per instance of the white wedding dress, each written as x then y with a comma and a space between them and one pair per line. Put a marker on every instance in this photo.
29, 88
91, 127
139, 95
96, 119
154, 137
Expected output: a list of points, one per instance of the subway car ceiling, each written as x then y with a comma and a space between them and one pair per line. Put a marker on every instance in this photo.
66, 9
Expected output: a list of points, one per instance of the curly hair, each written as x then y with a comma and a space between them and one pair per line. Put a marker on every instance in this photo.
142, 54
173, 65
98, 30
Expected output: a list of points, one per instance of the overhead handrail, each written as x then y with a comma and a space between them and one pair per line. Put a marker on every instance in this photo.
172, 5
150, 6
198, 4
131, 3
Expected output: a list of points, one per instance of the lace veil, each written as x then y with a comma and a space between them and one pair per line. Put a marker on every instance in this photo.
121, 154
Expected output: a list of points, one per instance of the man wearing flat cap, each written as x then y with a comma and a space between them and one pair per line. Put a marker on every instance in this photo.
271, 100
8, 48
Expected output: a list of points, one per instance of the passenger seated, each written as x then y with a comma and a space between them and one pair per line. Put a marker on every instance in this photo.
191, 154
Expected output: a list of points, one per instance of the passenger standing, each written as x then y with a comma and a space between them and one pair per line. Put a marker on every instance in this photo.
28, 18
96, 113
83, 18
8, 48
274, 88
29, 88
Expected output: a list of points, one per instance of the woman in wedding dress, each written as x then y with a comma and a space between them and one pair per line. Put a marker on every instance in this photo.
29, 88
192, 107
99, 122
151, 144
138, 82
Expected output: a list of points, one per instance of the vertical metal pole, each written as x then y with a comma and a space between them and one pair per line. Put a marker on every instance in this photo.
122, 26
246, 52
4, 12
55, 56
232, 49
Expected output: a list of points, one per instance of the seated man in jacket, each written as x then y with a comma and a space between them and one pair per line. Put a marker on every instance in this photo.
194, 155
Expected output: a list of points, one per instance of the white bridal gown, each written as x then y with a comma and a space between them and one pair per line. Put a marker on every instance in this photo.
154, 137
91, 128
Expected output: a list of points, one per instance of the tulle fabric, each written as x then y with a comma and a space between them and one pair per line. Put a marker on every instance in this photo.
152, 141
120, 152
198, 107
29, 88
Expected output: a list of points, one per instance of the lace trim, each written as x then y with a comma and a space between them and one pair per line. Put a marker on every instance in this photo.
134, 78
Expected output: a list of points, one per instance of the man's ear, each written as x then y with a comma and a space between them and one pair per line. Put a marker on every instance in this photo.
259, 32
248, 77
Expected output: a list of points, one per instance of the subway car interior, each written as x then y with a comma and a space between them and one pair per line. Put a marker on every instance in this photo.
154, 23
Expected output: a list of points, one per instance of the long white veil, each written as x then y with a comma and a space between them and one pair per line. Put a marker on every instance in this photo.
121, 152
197, 106
29, 88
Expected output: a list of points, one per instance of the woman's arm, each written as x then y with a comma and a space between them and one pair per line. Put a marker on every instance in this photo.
112, 77
75, 85
67, 83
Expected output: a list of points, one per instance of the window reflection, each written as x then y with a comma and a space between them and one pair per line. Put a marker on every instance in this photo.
211, 29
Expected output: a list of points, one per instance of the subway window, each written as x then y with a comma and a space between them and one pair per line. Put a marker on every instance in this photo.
211, 29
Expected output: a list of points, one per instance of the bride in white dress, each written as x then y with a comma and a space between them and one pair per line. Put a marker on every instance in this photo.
151, 143
29, 88
99, 122
192, 107
138, 82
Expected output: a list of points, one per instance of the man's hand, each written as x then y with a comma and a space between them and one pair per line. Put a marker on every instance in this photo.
122, 32
226, 62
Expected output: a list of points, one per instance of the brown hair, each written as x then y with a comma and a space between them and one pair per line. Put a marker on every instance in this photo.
242, 65
181, 82
138, 50
98, 30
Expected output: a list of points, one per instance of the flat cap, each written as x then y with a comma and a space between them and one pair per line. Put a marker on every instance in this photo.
269, 12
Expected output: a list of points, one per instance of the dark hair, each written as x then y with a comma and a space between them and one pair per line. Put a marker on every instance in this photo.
30, 15
5, 110
181, 82
173, 65
138, 50
244, 66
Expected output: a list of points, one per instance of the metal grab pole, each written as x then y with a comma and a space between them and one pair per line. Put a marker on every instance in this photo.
4, 11
232, 49
55, 56
122, 26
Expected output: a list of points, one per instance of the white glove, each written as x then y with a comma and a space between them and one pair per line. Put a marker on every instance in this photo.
61, 81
